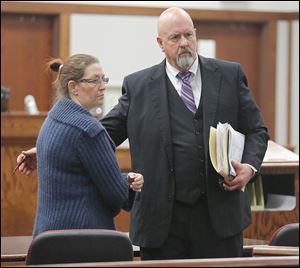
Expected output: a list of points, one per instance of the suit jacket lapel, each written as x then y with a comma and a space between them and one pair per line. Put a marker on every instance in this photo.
158, 91
211, 79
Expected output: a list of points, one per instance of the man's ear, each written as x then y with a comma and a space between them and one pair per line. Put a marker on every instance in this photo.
72, 86
159, 41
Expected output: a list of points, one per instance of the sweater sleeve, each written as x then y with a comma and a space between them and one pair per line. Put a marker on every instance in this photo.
98, 158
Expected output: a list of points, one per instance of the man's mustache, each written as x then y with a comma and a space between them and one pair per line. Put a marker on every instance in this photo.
184, 51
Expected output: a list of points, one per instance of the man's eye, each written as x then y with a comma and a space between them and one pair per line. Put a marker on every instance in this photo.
189, 35
174, 38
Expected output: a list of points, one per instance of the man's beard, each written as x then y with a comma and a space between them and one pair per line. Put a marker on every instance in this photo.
185, 61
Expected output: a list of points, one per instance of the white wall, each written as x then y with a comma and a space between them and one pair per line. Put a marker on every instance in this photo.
282, 102
295, 86
124, 44
281, 85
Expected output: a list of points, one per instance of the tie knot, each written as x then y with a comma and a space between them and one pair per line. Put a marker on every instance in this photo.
184, 76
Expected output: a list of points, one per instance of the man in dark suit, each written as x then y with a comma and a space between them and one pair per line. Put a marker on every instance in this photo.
166, 112
182, 212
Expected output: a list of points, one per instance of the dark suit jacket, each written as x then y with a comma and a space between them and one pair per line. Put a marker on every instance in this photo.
142, 115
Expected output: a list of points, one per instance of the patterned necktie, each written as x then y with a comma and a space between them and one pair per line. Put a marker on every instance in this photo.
186, 92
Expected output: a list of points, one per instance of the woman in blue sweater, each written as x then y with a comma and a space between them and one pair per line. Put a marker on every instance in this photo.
80, 184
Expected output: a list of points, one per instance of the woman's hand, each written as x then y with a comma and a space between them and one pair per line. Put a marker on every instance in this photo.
136, 181
26, 161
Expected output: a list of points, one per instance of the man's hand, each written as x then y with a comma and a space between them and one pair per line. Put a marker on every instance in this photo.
243, 175
136, 181
26, 161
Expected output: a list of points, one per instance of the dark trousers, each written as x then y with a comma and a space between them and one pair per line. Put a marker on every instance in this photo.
192, 236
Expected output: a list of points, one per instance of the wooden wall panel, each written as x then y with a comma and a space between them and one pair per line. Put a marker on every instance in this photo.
18, 196
203, 14
267, 75
241, 47
18, 192
254, 46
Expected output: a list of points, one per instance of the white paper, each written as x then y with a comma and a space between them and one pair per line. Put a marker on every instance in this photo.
236, 147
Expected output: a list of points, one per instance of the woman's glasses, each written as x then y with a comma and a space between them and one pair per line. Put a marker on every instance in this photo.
96, 81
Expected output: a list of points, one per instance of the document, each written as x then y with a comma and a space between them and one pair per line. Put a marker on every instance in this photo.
225, 144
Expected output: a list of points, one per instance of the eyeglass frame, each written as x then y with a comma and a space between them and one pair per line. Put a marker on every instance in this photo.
97, 81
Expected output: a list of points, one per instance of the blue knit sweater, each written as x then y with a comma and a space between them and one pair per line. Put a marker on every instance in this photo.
80, 185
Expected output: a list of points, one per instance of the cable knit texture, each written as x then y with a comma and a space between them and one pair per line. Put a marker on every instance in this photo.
80, 184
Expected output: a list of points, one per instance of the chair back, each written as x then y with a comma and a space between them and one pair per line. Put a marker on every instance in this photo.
83, 245
287, 235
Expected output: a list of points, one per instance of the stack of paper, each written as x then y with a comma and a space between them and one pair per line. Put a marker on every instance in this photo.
225, 145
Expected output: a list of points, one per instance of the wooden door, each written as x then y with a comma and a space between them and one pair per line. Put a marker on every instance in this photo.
238, 42
27, 42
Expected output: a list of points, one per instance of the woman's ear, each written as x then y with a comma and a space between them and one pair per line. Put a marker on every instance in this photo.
72, 86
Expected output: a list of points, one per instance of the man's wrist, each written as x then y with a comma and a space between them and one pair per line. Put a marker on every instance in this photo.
254, 170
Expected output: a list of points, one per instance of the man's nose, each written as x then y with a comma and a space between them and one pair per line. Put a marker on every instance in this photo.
183, 42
